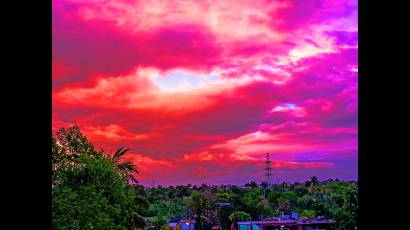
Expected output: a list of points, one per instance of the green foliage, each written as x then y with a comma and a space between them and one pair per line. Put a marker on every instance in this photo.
176, 209
92, 196
159, 222
239, 216
83, 208
197, 204
224, 196
305, 202
330, 198
284, 204
88, 191
250, 200
344, 206
73, 143
308, 213
126, 168
273, 197
290, 196
264, 208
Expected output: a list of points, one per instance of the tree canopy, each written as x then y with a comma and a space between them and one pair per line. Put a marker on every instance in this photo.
90, 189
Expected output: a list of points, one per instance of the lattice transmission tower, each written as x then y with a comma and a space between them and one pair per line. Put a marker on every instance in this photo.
268, 174
268, 171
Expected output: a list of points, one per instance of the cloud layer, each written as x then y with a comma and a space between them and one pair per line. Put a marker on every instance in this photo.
201, 90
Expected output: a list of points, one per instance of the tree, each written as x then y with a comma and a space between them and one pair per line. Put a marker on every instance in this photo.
223, 196
88, 192
305, 202
196, 203
250, 201
330, 198
83, 208
57, 159
273, 197
265, 185
344, 206
264, 208
93, 196
208, 200
238, 216
284, 205
176, 208
73, 143
141, 207
67, 146
291, 197
252, 184
159, 222
126, 167
314, 180
308, 213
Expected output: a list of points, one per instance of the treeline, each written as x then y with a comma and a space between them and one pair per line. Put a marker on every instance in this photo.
226, 204
92, 189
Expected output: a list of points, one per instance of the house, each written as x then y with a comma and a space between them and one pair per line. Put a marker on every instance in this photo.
216, 227
182, 225
288, 224
174, 226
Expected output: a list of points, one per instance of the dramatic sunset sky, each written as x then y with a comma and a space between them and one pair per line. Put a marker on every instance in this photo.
201, 90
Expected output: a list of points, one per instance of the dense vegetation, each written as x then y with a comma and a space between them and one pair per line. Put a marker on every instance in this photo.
329, 198
92, 190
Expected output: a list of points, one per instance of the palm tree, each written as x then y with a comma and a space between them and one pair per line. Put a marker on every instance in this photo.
137, 222
141, 206
314, 180
126, 167
197, 204
127, 170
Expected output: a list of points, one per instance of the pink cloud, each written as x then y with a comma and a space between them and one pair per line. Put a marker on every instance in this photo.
204, 89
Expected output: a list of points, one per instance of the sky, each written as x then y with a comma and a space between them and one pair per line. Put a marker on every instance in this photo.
200, 91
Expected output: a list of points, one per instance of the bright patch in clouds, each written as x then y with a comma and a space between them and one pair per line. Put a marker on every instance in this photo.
290, 108
201, 90
181, 81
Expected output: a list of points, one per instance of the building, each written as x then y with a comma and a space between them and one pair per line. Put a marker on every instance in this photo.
182, 225
290, 224
216, 227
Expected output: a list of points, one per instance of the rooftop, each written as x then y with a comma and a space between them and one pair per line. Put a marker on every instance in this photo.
290, 221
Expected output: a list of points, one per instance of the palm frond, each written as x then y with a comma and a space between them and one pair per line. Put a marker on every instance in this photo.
119, 153
126, 167
132, 179
137, 221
